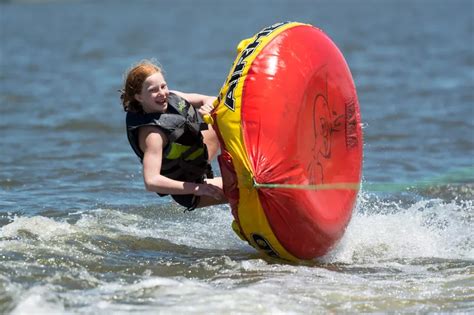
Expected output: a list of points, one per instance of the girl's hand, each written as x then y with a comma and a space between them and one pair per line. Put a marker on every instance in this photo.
205, 109
209, 190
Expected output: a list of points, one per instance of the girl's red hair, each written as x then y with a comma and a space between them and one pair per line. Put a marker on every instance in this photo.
135, 77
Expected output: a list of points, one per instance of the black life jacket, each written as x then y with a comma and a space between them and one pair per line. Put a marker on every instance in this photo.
185, 157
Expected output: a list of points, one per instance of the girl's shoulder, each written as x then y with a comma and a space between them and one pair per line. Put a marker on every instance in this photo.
152, 136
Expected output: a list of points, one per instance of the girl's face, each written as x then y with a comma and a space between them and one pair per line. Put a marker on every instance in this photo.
154, 94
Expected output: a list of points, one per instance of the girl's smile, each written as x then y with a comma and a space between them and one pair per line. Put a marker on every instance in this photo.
154, 94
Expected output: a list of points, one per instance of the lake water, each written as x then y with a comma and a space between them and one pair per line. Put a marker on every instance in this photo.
79, 234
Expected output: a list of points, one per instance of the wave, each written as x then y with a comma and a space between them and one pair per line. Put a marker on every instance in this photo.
383, 230
380, 229
157, 258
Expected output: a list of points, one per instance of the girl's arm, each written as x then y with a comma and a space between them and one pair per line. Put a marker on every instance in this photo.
152, 140
204, 103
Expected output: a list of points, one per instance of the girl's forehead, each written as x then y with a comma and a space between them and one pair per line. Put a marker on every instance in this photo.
155, 78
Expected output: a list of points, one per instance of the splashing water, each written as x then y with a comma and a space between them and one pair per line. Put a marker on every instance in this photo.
392, 257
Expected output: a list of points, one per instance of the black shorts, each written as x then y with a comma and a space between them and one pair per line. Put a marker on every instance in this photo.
190, 202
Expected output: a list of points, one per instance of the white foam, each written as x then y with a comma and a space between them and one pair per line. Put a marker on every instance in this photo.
35, 301
208, 228
431, 229
185, 296
42, 227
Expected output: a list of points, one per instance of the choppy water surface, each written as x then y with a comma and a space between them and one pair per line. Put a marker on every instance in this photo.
79, 235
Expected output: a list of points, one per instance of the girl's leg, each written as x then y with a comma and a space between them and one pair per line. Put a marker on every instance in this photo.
211, 141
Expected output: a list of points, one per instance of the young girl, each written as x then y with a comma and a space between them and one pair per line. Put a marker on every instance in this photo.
166, 131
